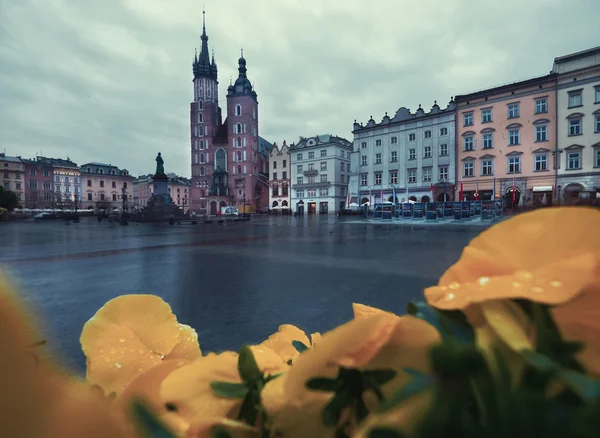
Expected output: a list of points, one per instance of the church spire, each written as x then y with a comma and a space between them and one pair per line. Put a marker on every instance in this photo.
202, 67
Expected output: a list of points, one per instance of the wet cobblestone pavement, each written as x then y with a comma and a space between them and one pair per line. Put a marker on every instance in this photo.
233, 283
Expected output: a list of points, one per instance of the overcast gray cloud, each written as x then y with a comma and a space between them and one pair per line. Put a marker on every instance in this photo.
110, 80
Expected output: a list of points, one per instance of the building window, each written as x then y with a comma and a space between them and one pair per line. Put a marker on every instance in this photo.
377, 142
444, 131
89, 183
311, 193
443, 173
101, 183
47, 185
274, 175
57, 178
468, 143
412, 137
114, 197
199, 117
284, 163
443, 149
394, 156
513, 110
574, 160
299, 157
89, 196
274, 164
114, 185
412, 176
363, 179
238, 110
377, 178
324, 152
514, 165
597, 124
33, 185
427, 174
514, 137
377, 158
575, 127
311, 155
300, 193
541, 163
363, 145
342, 167
363, 160
31, 171
541, 133
300, 180
487, 167
323, 165
488, 141
597, 158
575, 99
323, 193
427, 134
394, 177
324, 177
394, 140
46, 173
284, 175
486, 115
412, 154
468, 119
427, 152
299, 168
468, 168
541, 106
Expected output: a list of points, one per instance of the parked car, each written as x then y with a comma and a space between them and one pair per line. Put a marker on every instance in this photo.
43, 216
229, 211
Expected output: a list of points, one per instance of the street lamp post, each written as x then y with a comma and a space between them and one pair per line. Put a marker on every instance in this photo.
244, 205
76, 219
124, 197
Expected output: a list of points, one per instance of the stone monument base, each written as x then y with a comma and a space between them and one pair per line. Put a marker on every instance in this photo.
161, 207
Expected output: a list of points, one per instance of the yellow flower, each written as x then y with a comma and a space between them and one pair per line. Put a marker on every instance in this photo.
235, 429
379, 342
188, 391
549, 256
281, 341
363, 311
131, 334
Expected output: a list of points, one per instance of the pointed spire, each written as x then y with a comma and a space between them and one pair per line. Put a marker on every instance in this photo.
203, 21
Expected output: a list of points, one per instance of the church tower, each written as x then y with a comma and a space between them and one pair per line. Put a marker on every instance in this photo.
205, 119
242, 115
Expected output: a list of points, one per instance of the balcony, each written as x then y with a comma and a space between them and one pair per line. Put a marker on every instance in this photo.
315, 185
311, 172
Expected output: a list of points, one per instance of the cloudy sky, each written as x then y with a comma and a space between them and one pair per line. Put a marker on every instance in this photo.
110, 80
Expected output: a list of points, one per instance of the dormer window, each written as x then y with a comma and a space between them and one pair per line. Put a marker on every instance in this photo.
89, 170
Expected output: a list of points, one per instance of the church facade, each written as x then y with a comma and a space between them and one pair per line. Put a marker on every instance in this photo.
229, 160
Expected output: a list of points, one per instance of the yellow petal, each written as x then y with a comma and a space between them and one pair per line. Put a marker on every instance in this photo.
187, 346
315, 338
510, 323
281, 341
363, 311
267, 360
188, 388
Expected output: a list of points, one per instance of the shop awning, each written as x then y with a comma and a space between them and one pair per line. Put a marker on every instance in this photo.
543, 189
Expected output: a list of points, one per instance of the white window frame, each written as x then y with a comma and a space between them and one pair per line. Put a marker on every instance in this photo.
541, 133
539, 103
575, 99
468, 119
364, 179
378, 178
427, 152
412, 175
486, 115
412, 154
444, 149
516, 163
575, 127
488, 138
468, 143
540, 158
427, 174
443, 173
468, 168
517, 135
514, 111
363, 160
487, 164
575, 159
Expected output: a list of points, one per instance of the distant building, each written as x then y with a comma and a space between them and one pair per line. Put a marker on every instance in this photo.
103, 186
179, 189
578, 127
279, 178
507, 137
408, 153
67, 182
39, 183
13, 170
320, 170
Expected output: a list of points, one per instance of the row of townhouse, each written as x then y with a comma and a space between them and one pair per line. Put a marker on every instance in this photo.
538, 138
178, 187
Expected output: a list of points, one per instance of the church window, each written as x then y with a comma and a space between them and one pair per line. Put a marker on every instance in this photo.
202, 171
244, 155
201, 157
238, 128
254, 112
239, 169
200, 105
244, 141
238, 142
239, 156
195, 131
238, 110
245, 168
200, 118
206, 130
245, 130
220, 160
195, 158
201, 145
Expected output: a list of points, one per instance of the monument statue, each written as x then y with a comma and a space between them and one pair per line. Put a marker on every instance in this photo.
160, 168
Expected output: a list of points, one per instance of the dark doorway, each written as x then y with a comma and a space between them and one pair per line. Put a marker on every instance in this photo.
312, 208
323, 207
425, 198
213, 208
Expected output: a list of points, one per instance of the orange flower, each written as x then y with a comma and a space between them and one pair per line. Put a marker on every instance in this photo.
188, 390
131, 334
379, 342
548, 256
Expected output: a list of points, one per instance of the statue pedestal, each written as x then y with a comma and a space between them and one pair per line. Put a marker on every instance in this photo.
160, 207
161, 185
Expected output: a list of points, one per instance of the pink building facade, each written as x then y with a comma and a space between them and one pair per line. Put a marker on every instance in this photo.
39, 183
506, 141
228, 165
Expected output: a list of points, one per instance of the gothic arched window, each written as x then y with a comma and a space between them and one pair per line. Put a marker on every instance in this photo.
238, 142
220, 160
239, 169
199, 117
201, 144
200, 105
238, 110
201, 157
238, 128
238, 156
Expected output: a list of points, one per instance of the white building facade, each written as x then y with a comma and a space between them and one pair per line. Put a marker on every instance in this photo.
411, 153
320, 170
279, 178
578, 116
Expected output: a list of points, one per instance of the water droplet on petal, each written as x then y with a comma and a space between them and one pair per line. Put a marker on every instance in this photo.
122, 340
118, 365
524, 275
449, 297
555, 283
483, 281
454, 286
516, 284
537, 289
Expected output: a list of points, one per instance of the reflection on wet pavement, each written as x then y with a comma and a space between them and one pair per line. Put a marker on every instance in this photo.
234, 283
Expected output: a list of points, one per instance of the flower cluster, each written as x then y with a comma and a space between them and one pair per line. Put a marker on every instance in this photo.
507, 343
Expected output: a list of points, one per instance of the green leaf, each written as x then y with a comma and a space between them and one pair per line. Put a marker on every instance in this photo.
375, 388
250, 406
449, 324
415, 386
148, 423
414, 373
380, 376
299, 346
322, 384
247, 366
273, 377
333, 410
539, 361
586, 388
219, 432
229, 389
381, 432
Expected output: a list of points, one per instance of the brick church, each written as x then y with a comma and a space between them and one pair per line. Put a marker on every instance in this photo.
229, 159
